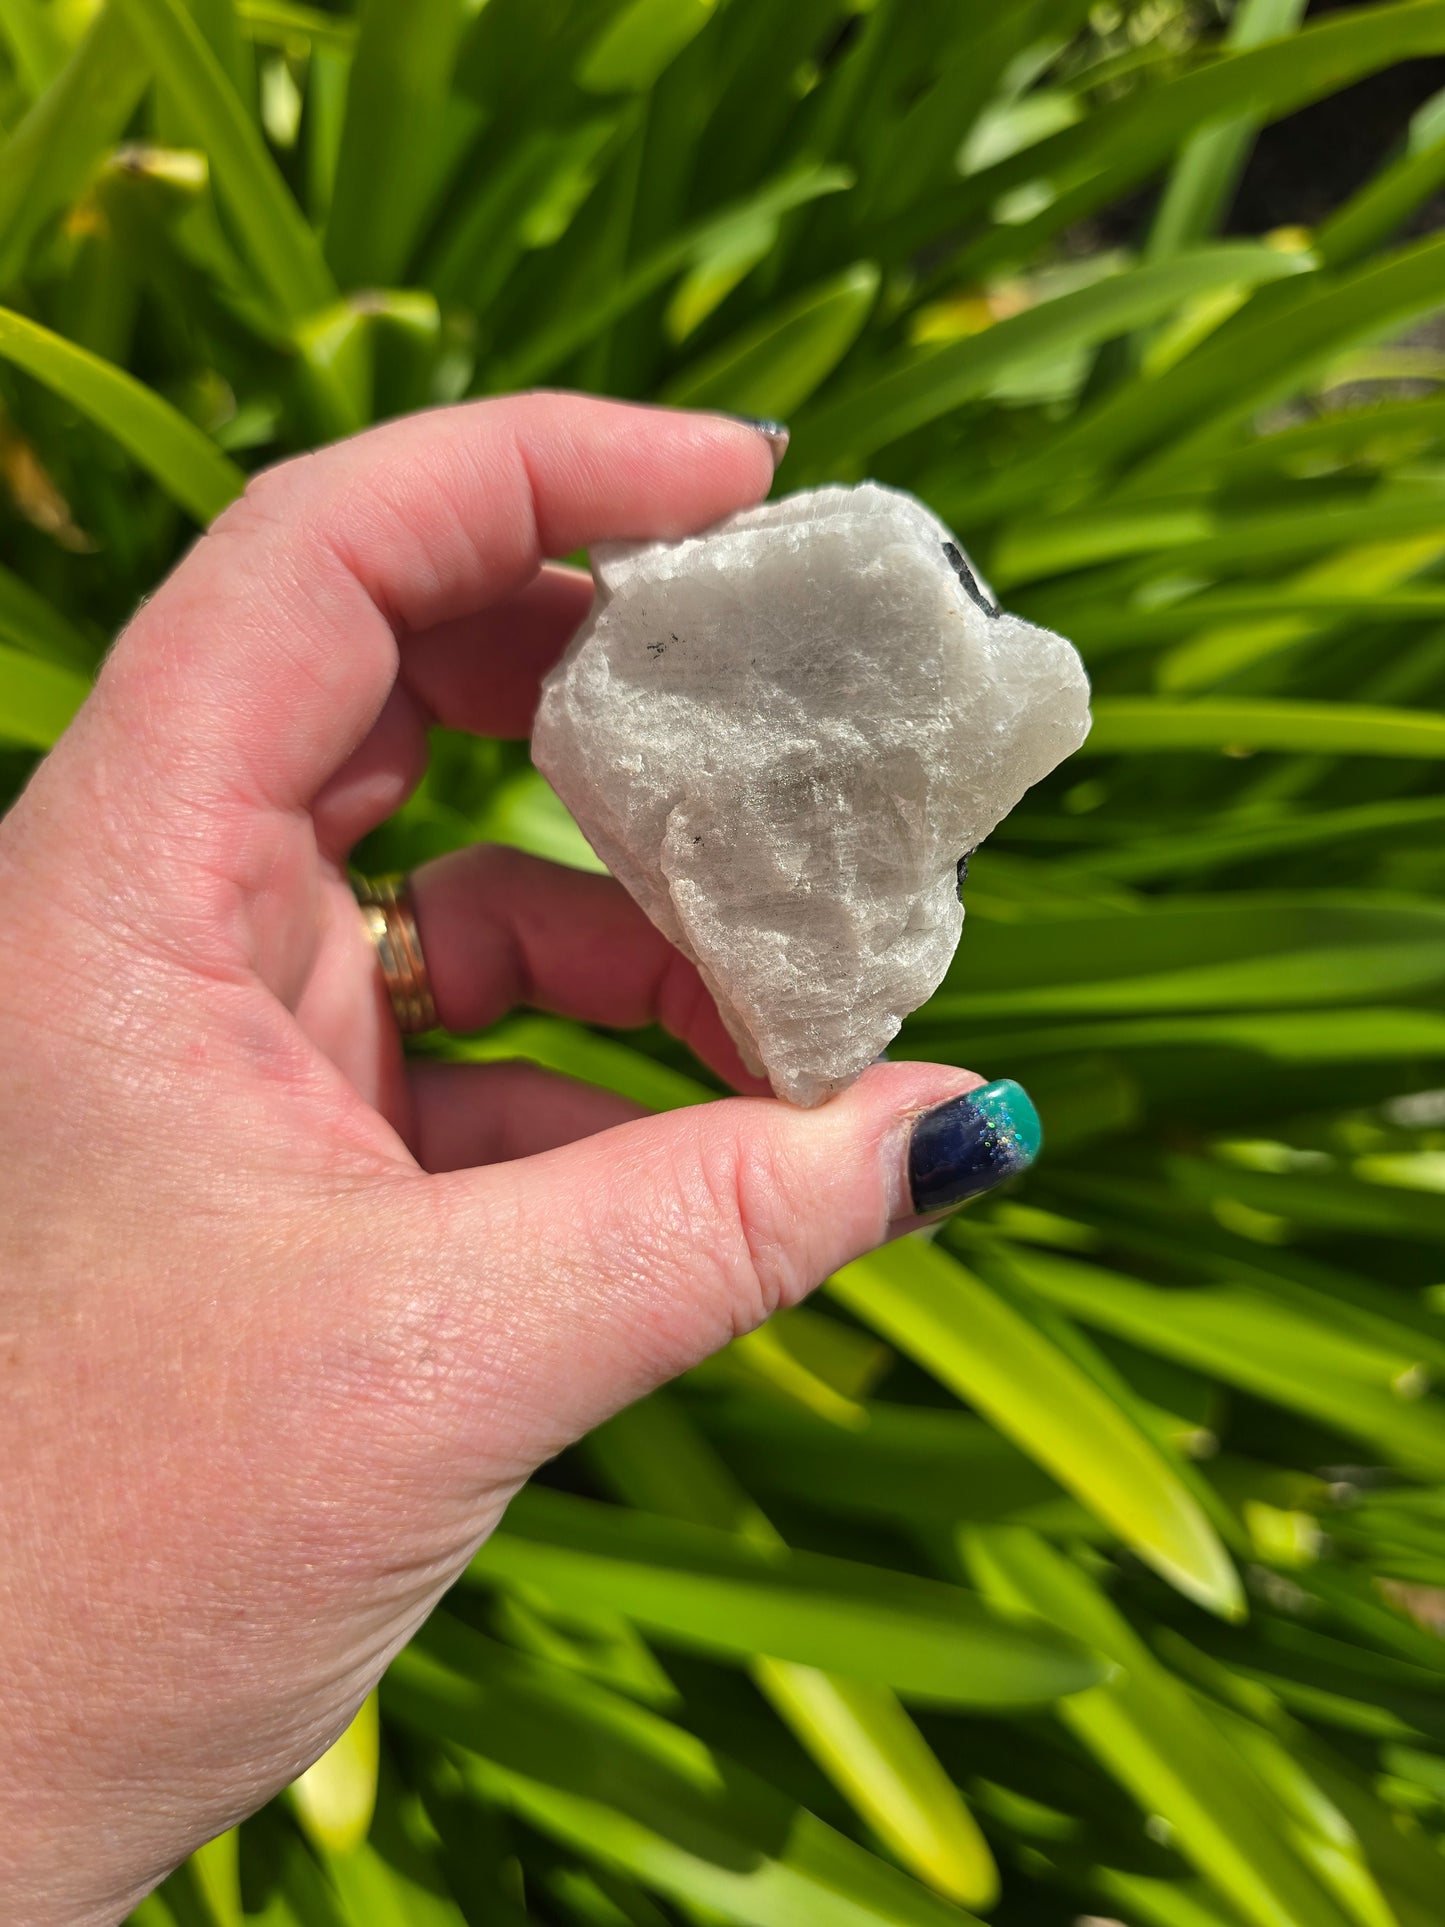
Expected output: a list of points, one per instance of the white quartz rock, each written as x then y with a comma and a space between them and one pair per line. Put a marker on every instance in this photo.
782, 735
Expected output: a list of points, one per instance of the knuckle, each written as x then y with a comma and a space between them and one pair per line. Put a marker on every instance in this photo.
756, 1224
268, 499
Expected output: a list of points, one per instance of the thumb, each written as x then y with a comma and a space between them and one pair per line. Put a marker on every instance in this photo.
590, 1274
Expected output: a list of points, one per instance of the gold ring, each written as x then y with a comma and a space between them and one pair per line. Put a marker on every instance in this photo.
391, 924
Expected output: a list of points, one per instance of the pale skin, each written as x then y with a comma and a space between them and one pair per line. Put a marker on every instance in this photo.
285, 1319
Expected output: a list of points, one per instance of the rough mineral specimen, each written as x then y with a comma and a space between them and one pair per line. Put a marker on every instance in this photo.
782, 736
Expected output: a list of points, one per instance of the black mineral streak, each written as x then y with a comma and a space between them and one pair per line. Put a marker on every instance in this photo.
966, 577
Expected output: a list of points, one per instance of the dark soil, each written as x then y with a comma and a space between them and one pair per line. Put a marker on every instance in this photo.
1306, 165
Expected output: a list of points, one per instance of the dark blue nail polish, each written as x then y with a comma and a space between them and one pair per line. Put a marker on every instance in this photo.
970, 1144
775, 434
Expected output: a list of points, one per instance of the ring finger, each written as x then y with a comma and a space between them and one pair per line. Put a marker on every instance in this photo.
500, 928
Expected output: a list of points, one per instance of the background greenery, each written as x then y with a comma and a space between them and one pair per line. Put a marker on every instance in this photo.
1090, 1559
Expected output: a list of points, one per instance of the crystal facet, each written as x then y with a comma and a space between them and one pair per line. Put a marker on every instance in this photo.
782, 736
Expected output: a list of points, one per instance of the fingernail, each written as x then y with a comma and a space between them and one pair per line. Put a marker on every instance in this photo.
775, 434
970, 1144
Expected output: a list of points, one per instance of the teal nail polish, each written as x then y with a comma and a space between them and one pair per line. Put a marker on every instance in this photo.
972, 1143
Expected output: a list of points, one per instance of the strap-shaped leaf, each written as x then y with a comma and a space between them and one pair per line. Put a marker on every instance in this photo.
1135, 724
982, 1347
930, 384
622, 1786
186, 462
281, 246
1145, 1729
856, 1730
710, 1589
46, 161
1274, 1351
37, 698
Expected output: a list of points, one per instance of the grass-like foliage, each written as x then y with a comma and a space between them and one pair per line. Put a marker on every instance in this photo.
1093, 1555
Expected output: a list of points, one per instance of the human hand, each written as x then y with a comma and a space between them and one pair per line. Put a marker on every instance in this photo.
287, 1319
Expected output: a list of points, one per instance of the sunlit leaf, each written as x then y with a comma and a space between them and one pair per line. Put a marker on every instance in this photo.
727, 1595
983, 1348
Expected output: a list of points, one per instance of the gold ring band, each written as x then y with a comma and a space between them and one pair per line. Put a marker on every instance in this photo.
391, 924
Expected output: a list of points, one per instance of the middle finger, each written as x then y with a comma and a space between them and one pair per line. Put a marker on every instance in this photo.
500, 928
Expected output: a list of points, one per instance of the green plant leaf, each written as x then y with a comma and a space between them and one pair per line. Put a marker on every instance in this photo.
1207, 170
1130, 724
905, 1462
980, 1346
1377, 211
639, 42
554, 344
621, 1786
29, 622
335, 1797
282, 248
282, 23
935, 383
1145, 1730
772, 367
1268, 352
37, 698
1123, 143
36, 42
1265, 1349
47, 160
856, 1730
726, 1595
1270, 835
186, 463
1250, 952
392, 147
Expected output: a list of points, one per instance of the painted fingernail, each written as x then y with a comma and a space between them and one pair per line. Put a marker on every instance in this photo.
775, 434
970, 1144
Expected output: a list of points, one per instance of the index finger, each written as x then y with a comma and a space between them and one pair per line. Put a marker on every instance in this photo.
268, 654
